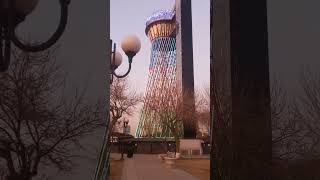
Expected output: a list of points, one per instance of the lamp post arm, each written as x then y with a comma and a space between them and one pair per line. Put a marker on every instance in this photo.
6, 37
2, 68
111, 79
7, 52
126, 74
54, 38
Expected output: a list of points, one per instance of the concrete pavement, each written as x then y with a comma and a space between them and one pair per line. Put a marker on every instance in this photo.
149, 167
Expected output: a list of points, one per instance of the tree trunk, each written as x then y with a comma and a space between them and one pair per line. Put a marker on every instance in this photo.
177, 140
122, 150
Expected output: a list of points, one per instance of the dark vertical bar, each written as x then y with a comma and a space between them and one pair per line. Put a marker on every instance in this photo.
212, 169
1, 49
109, 78
250, 89
185, 74
240, 53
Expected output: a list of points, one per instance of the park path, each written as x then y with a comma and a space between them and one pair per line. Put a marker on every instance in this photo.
149, 167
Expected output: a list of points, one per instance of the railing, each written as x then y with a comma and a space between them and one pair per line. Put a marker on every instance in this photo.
103, 165
103, 162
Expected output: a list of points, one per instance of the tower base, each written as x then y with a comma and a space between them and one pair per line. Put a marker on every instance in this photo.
191, 147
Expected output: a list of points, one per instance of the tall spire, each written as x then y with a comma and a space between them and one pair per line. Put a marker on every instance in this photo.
185, 75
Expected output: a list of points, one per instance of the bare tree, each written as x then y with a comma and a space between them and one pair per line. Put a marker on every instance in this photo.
204, 98
123, 100
202, 105
297, 129
307, 111
221, 128
170, 111
286, 132
39, 124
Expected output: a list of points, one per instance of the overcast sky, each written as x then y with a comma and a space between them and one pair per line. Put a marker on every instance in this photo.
294, 39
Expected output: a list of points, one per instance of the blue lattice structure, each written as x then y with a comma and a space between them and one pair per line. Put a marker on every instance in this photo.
161, 30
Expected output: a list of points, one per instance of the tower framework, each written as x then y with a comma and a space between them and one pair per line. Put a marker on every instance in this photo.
161, 30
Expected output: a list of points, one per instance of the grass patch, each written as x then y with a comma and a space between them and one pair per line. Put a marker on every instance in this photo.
199, 168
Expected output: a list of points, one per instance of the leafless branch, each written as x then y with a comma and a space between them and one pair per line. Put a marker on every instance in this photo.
38, 123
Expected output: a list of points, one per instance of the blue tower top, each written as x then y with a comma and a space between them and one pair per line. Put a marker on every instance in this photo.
160, 15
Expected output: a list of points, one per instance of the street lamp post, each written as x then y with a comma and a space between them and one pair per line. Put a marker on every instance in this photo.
125, 125
12, 13
131, 46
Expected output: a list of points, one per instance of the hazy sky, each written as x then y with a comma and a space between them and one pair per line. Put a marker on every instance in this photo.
294, 39
129, 17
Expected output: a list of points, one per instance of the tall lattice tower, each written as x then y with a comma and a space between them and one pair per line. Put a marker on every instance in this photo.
161, 30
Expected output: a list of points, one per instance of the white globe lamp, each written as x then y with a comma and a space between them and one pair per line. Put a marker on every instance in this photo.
131, 45
117, 60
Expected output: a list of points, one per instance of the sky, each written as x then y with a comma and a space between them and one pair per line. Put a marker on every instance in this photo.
132, 21
294, 40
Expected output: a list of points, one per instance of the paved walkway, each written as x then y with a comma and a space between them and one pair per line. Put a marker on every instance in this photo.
149, 167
